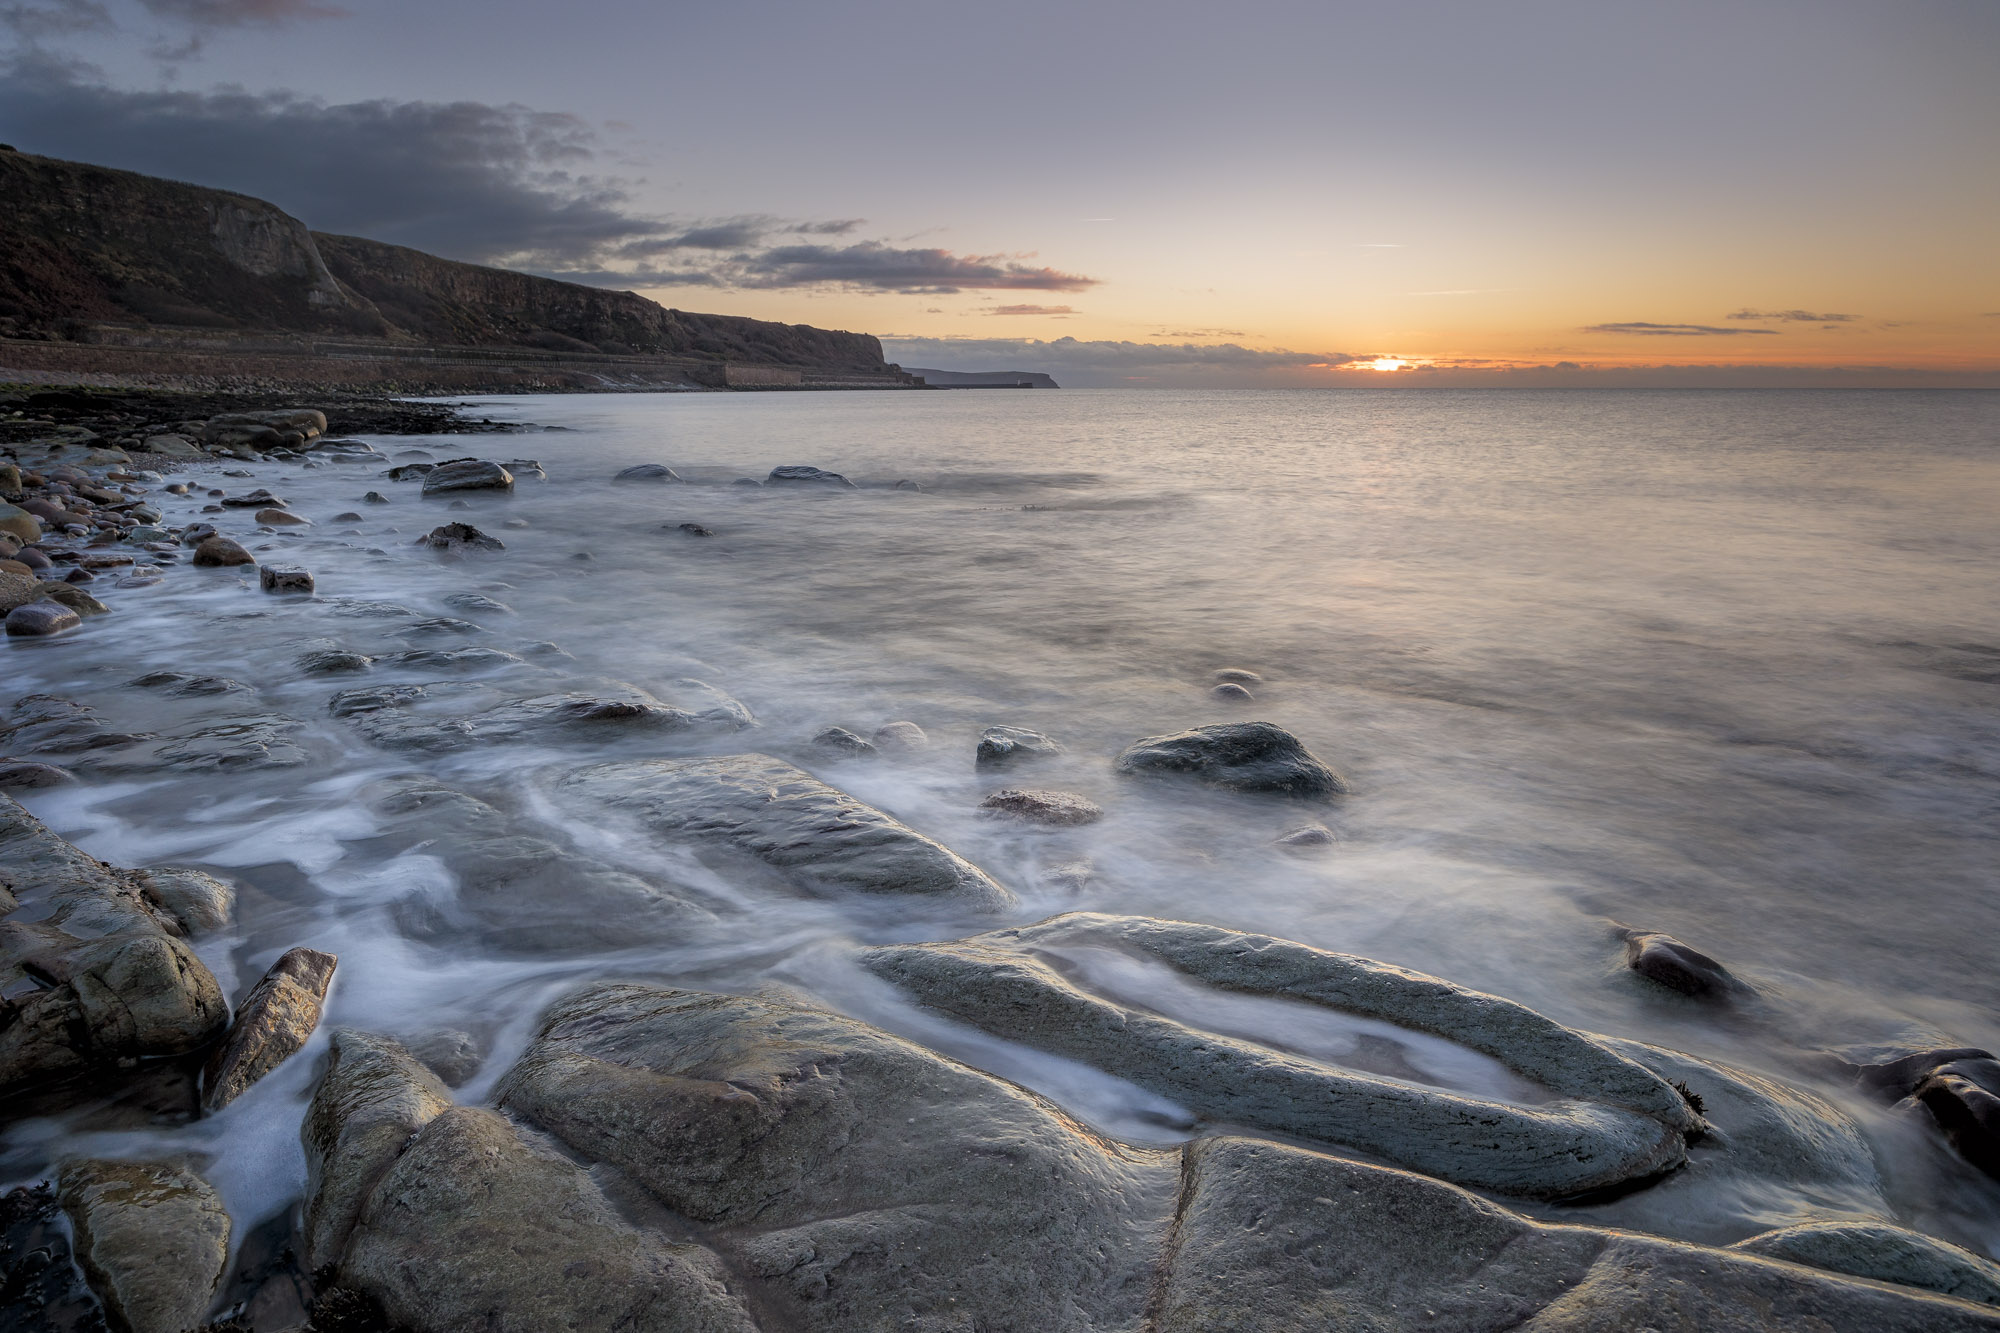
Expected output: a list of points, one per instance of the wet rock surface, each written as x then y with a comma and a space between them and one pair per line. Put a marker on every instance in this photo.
1007, 745
1665, 960
801, 474
93, 972
817, 837
1243, 756
467, 474
1884, 1253
152, 1237
459, 537
272, 1023
1058, 808
655, 472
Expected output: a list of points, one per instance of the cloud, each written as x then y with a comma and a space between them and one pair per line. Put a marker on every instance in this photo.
872, 265
1792, 316
1031, 310
54, 18
236, 13
1078, 362
1670, 330
490, 184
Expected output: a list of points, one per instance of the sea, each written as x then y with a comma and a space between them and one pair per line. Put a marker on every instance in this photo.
1722, 664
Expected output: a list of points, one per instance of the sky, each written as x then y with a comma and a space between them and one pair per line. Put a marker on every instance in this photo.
1276, 192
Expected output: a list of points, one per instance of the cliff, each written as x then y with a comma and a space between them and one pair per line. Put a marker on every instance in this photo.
92, 254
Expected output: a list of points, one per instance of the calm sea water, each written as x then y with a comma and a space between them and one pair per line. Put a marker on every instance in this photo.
1724, 664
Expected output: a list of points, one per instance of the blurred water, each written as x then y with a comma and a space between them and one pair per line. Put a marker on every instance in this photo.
1720, 664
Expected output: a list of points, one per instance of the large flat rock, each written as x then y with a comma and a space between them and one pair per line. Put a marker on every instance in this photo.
818, 837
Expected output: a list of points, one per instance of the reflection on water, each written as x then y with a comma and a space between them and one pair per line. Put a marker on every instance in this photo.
1714, 664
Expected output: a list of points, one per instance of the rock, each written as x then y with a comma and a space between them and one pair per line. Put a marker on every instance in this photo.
1616, 1122
10, 479
257, 499
197, 901
1006, 745
520, 892
375, 498
18, 589
908, 485
435, 627
1232, 693
332, 661
146, 533
452, 1055
467, 474
1959, 1087
456, 659
746, 481
1665, 960
1060, 808
25, 774
853, 1180
278, 518
272, 1023
458, 504
478, 602
841, 741
373, 1097
347, 516
34, 559
181, 685
411, 471
1236, 676
41, 618
648, 472
284, 578
20, 523
1308, 837
92, 972
457, 537
819, 838
1243, 756
901, 736
242, 741
1884, 1254
220, 552
594, 712
171, 446
152, 1237
696, 530
514, 523
800, 473
472, 1227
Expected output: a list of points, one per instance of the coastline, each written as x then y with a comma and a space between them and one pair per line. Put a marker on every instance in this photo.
1000, 1205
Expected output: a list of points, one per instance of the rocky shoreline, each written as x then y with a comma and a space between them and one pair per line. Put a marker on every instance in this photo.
666, 1158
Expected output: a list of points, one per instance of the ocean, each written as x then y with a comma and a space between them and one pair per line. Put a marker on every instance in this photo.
1720, 664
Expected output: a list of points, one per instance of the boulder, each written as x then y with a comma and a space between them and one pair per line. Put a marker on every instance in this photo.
92, 967
20, 523
272, 1023
901, 736
284, 578
818, 838
27, 775
171, 446
152, 1237
197, 901
458, 537
1958, 1086
279, 518
1006, 745
1609, 1122
1666, 961
38, 619
373, 1097
841, 741
75, 598
1883, 1253
375, 498
648, 472
1242, 756
332, 661
467, 474
1061, 808
257, 499
18, 588
801, 474
220, 552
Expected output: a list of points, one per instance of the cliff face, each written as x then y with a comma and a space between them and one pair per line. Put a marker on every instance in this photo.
83, 245
442, 301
